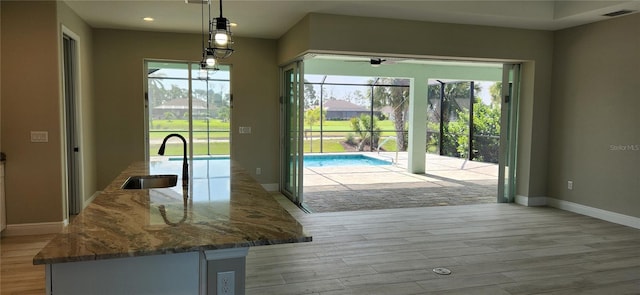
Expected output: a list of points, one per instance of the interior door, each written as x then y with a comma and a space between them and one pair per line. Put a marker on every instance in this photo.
292, 140
508, 133
70, 76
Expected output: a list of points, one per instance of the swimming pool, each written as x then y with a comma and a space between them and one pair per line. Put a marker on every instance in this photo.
342, 160
317, 160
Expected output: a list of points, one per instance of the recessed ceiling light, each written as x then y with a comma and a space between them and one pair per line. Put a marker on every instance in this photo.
233, 24
148, 19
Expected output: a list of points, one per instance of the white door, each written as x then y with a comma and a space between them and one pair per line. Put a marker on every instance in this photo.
72, 146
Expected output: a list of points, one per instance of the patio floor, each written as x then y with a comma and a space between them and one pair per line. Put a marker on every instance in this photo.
446, 181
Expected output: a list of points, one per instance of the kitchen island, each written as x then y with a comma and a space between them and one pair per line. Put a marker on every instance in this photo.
166, 240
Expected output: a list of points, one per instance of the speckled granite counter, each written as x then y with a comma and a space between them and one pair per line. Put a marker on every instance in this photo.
128, 223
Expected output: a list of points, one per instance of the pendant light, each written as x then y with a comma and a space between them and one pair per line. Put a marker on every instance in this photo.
220, 43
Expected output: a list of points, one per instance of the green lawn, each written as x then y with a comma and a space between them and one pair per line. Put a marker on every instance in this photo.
196, 134
346, 126
335, 146
338, 130
328, 146
199, 148
217, 129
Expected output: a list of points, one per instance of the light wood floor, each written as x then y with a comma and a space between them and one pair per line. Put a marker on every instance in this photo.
490, 248
18, 274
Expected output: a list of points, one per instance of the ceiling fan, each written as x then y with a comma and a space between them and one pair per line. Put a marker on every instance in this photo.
377, 61
374, 61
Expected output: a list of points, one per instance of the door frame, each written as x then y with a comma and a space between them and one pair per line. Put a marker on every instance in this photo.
73, 156
506, 189
191, 66
292, 165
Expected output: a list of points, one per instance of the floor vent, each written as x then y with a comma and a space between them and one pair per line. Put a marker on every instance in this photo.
442, 271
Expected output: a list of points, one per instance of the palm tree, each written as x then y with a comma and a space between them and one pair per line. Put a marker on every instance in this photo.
395, 94
367, 129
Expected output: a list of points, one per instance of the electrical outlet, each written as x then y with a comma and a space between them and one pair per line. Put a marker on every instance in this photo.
570, 185
226, 283
39, 136
258, 171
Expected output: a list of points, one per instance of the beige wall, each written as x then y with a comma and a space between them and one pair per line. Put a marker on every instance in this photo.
119, 72
31, 102
333, 33
295, 41
595, 113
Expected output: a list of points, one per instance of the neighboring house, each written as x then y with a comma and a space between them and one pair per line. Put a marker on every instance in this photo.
179, 107
338, 109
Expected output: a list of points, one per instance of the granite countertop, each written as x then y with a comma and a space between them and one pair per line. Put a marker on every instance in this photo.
127, 223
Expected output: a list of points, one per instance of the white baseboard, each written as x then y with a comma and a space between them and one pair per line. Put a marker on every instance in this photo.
25, 229
87, 202
595, 212
271, 187
580, 209
531, 201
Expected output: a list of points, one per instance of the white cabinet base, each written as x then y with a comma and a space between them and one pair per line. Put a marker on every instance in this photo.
171, 274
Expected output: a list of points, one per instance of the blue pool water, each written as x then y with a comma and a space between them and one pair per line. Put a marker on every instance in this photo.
309, 161
342, 160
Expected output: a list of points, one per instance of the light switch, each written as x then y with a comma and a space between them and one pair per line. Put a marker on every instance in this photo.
245, 130
39, 136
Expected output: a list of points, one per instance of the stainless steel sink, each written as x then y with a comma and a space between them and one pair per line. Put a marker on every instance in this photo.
150, 181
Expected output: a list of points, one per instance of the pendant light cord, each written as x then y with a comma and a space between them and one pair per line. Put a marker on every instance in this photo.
220, 8
202, 29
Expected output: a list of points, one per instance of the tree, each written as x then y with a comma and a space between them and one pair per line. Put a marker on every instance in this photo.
313, 116
224, 113
157, 92
451, 112
310, 97
486, 129
200, 94
169, 116
397, 98
496, 93
367, 129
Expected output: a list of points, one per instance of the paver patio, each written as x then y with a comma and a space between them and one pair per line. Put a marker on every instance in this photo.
446, 181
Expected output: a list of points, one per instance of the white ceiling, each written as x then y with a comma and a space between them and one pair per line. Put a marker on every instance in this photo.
271, 19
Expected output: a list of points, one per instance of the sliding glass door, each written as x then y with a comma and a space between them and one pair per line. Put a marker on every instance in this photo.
182, 99
292, 141
508, 133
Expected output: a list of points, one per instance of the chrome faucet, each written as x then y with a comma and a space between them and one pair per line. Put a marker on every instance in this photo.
185, 164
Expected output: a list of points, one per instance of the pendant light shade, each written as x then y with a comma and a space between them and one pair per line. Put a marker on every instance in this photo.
219, 43
222, 34
209, 58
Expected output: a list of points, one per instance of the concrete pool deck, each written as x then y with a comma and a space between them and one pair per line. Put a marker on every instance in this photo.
446, 181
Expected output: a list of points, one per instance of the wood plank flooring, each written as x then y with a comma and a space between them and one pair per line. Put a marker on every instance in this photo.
18, 275
490, 248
